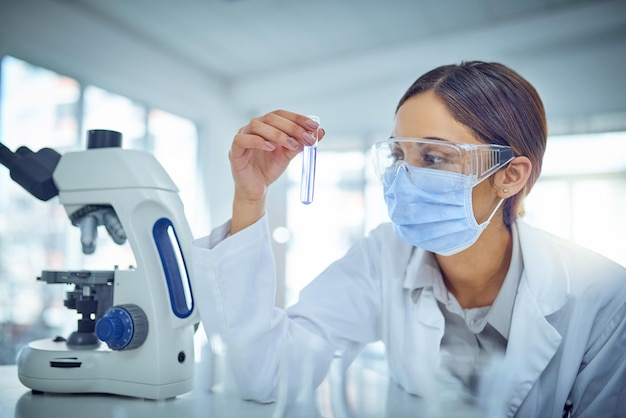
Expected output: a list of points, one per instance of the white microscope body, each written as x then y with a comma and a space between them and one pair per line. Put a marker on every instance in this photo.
149, 327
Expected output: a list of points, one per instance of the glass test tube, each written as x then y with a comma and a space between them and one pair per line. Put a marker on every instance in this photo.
309, 156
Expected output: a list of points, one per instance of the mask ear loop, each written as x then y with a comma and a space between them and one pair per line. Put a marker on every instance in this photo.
494, 212
503, 190
484, 224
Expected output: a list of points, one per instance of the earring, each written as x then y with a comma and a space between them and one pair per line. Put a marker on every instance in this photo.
503, 190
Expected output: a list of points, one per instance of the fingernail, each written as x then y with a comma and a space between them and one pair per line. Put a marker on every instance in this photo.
311, 124
269, 146
293, 143
308, 138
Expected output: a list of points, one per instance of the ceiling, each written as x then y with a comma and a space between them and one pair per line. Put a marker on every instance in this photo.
271, 53
233, 40
347, 60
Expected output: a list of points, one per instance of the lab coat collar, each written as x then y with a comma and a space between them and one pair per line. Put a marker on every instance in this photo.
419, 278
423, 271
422, 267
547, 278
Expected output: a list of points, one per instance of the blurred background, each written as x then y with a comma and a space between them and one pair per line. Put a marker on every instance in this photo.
179, 78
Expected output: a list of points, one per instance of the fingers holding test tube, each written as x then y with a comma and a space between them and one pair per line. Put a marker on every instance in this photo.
261, 151
279, 128
266, 144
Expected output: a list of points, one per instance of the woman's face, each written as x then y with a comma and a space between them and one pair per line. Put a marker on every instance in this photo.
425, 116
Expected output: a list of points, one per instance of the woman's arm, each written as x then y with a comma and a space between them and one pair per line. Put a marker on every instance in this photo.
235, 288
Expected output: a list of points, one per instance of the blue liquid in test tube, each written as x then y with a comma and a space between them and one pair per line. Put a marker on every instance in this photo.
309, 156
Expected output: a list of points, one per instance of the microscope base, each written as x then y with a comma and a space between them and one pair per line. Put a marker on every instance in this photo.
49, 366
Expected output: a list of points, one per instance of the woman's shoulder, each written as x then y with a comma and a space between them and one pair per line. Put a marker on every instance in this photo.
384, 236
381, 245
383, 230
581, 268
549, 244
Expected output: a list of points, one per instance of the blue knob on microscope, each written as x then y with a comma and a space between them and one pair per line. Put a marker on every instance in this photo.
109, 328
123, 327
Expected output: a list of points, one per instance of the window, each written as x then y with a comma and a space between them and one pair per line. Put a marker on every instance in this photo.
39, 108
581, 194
174, 142
323, 230
347, 204
106, 110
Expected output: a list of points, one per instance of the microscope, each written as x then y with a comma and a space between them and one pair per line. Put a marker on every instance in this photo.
135, 330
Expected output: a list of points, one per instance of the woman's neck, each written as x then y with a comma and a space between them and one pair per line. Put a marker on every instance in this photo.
475, 276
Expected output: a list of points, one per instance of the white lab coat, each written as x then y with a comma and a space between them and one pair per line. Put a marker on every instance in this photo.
567, 338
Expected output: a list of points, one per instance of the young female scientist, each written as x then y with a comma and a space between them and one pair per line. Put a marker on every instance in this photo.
455, 274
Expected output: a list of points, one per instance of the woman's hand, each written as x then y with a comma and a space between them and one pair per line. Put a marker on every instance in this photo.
260, 153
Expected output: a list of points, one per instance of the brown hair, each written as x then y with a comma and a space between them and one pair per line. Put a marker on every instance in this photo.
498, 106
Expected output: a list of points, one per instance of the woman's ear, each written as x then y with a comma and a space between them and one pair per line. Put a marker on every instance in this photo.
513, 178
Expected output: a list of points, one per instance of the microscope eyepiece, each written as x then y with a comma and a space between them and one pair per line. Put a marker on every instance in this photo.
102, 138
32, 170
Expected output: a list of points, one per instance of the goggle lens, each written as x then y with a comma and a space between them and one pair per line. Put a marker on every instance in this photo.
474, 160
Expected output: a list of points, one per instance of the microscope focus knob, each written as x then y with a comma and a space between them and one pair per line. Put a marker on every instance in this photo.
123, 327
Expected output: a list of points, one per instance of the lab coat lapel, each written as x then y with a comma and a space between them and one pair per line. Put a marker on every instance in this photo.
532, 344
543, 289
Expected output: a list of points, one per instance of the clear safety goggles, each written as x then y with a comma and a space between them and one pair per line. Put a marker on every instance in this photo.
476, 161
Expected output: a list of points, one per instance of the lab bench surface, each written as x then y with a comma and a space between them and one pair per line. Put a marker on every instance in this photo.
369, 392
18, 401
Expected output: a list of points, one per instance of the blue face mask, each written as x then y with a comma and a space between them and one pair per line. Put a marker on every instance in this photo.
432, 209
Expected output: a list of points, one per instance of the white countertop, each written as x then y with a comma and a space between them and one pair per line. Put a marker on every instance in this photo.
17, 400
369, 394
